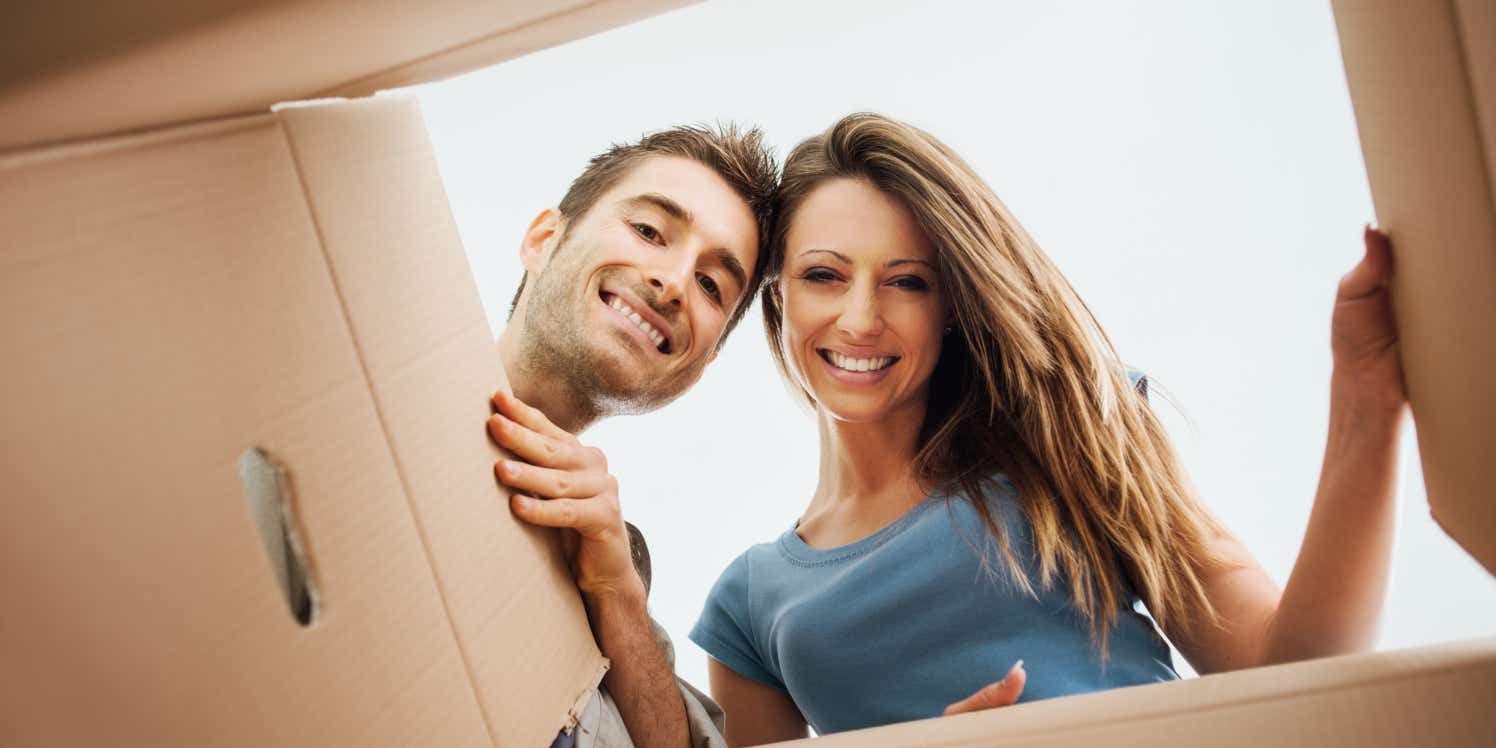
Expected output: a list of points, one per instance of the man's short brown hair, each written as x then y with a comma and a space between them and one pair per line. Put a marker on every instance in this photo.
738, 156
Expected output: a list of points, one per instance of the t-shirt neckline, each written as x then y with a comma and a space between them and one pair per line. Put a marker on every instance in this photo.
796, 550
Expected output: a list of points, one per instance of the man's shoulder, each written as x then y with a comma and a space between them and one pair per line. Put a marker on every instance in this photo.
639, 550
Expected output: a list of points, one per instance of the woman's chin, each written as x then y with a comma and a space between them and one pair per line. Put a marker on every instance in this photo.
854, 409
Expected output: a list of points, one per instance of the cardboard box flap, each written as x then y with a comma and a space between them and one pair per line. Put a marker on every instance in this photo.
1422, 77
165, 306
76, 69
1430, 696
285, 285
432, 364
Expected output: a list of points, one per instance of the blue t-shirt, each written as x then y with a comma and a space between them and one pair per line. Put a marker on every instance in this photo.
902, 623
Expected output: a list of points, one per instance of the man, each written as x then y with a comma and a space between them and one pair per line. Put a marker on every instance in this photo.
631, 285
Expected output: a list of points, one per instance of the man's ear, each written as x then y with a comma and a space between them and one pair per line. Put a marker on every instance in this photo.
540, 240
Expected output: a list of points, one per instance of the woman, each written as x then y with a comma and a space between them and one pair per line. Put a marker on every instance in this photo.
974, 418
992, 487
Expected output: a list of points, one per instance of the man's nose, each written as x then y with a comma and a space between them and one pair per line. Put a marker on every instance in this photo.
669, 281
860, 317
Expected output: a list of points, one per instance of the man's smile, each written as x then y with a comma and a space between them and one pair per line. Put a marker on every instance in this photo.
642, 321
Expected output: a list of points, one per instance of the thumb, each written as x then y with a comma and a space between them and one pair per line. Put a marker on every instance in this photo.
1002, 693
1373, 271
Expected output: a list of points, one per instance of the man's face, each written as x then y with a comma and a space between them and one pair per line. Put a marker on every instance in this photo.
628, 305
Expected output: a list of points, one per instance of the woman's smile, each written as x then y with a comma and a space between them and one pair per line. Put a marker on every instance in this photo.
856, 370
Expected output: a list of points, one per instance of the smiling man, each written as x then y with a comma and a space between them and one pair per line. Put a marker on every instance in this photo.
631, 285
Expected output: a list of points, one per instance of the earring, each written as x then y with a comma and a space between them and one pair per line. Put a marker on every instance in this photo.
948, 329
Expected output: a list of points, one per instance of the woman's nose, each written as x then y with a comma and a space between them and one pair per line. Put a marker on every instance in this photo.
860, 317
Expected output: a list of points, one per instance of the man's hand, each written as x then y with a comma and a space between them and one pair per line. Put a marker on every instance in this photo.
558, 482
1002, 693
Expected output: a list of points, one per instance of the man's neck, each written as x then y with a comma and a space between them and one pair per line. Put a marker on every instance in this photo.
552, 395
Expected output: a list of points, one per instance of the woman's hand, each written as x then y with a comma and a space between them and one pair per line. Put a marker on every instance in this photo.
1002, 693
1363, 333
558, 482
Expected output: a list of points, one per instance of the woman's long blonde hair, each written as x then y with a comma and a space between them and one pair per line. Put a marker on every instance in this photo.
1029, 386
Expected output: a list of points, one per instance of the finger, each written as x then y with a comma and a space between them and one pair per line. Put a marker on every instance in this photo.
578, 514
1373, 272
534, 448
1002, 693
553, 484
529, 417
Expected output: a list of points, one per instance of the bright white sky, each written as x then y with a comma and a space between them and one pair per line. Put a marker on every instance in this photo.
1193, 167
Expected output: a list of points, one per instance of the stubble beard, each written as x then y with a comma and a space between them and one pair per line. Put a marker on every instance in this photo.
556, 347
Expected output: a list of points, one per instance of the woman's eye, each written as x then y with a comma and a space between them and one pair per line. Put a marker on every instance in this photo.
647, 231
911, 282
818, 275
710, 286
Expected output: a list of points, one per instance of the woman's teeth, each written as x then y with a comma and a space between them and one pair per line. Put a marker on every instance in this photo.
625, 310
858, 364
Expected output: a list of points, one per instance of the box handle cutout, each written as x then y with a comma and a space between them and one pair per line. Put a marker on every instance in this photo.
267, 485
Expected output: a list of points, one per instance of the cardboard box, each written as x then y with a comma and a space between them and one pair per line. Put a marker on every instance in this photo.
288, 282
1422, 75
187, 277
1432, 696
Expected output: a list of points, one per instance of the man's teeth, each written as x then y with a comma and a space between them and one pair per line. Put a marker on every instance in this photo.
858, 364
633, 316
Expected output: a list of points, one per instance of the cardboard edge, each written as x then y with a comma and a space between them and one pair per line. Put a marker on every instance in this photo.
1479, 58
315, 217
1389, 668
551, 30
175, 133
1372, 75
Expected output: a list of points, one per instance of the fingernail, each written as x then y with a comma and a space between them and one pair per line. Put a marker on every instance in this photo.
1016, 667
511, 467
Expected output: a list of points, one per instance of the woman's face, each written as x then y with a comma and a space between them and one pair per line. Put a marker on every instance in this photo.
863, 311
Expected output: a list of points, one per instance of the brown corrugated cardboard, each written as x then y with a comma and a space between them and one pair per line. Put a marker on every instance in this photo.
421, 331
1422, 75
1435, 696
291, 282
82, 69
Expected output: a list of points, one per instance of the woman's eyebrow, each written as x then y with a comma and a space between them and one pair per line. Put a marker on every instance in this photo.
909, 261
831, 252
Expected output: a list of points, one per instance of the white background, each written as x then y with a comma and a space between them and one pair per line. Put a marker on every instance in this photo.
1192, 166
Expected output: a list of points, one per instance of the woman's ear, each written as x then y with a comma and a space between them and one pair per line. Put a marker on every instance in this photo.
540, 239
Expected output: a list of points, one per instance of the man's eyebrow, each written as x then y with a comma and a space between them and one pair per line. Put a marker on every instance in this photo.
733, 266
656, 200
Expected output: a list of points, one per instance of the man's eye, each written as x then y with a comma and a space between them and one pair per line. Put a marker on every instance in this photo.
711, 287
647, 231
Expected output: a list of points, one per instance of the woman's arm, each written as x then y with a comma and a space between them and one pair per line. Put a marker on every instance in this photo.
755, 713
1332, 603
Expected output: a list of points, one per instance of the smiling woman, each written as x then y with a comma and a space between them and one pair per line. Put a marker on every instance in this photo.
992, 487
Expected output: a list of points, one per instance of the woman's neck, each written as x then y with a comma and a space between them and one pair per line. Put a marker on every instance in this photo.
866, 476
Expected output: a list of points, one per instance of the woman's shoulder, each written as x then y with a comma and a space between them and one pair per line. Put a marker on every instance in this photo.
754, 556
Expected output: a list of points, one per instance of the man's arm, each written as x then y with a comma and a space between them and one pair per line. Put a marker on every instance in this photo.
641, 681
563, 484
